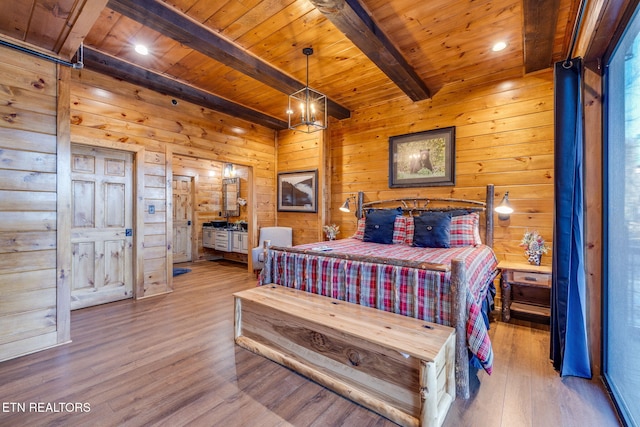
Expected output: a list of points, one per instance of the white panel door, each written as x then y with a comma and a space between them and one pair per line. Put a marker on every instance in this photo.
101, 232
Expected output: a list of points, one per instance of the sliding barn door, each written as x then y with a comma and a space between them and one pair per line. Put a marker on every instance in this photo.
102, 233
182, 218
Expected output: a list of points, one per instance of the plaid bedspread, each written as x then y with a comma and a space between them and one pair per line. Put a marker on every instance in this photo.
410, 291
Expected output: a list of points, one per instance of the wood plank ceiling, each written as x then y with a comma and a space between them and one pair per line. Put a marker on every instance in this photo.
244, 56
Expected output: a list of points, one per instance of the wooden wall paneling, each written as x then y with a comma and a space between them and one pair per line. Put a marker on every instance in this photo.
63, 210
166, 252
252, 219
32, 307
504, 136
594, 215
324, 181
195, 230
300, 151
154, 191
111, 111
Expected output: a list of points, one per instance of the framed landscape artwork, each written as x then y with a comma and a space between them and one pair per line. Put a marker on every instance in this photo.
298, 191
423, 159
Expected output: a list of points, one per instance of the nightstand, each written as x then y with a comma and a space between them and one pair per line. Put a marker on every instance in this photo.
526, 291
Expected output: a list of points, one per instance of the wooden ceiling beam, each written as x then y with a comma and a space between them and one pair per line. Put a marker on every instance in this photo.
82, 17
540, 20
353, 20
117, 68
170, 23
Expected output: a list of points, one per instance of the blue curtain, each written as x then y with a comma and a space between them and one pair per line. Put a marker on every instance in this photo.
569, 346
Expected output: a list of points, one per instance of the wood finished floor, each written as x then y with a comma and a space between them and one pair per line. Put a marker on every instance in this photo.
171, 361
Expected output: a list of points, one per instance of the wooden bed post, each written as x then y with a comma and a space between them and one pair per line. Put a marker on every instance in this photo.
488, 238
459, 299
359, 203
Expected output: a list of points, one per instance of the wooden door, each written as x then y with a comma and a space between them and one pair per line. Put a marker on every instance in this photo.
182, 218
101, 231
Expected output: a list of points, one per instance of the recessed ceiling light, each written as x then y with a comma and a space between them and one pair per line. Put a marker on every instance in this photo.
499, 46
142, 49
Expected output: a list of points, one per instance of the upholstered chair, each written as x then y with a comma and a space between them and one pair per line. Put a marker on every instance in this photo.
274, 236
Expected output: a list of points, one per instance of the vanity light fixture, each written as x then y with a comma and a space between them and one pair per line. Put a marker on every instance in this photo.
229, 170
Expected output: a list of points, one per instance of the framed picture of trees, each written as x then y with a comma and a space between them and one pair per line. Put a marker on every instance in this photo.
298, 191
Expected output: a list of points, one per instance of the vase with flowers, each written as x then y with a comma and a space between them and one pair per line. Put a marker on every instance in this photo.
331, 231
534, 246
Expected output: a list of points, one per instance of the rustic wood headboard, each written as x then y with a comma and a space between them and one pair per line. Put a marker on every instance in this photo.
410, 205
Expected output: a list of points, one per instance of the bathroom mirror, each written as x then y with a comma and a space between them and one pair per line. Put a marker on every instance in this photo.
230, 195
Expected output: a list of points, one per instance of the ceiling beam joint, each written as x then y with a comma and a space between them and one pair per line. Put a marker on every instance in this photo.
352, 19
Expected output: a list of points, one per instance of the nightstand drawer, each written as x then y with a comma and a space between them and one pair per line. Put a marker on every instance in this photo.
538, 279
530, 294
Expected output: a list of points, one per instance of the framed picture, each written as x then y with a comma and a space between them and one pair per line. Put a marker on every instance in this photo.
423, 159
298, 191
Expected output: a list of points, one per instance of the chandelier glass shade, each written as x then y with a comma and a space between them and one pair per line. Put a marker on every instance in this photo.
307, 108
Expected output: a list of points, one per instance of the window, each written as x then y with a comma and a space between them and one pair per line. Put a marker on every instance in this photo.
622, 225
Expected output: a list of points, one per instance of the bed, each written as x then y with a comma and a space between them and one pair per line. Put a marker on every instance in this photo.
451, 285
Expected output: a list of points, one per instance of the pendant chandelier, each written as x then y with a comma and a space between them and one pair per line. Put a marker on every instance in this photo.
307, 107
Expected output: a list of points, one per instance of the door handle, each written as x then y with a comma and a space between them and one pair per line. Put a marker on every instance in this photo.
188, 222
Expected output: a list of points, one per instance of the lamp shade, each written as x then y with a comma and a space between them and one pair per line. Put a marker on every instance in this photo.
345, 206
504, 209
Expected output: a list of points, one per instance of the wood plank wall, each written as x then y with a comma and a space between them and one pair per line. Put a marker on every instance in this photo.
504, 136
28, 218
298, 151
107, 110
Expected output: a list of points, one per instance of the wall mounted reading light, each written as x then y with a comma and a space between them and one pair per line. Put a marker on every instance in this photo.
358, 200
345, 206
504, 209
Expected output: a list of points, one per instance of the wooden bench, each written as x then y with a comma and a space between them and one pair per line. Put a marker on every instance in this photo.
397, 366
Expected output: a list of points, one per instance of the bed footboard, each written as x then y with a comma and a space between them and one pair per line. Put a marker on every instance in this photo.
458, 295
458, 283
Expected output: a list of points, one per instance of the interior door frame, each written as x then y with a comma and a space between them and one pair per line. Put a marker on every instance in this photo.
173, 149
138, 208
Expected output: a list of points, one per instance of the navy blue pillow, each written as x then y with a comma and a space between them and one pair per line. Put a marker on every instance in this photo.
383, 212
432, 230
378, 225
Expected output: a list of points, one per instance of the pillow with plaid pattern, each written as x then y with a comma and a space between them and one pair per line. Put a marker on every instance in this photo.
410, 229
360, 230
465, 230
399, 230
